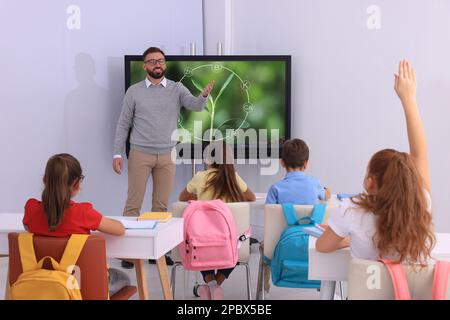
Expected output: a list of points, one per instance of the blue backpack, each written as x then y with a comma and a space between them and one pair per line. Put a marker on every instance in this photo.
290, 260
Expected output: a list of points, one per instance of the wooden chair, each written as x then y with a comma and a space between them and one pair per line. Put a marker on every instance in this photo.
92, 263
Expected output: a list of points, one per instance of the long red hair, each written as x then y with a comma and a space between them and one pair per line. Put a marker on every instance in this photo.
403, 222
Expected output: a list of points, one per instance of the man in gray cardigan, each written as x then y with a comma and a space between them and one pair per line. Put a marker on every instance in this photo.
151, 109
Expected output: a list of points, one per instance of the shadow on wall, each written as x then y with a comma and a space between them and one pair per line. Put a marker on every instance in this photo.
89, 133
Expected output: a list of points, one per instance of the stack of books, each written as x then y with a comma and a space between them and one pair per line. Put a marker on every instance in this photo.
158, 216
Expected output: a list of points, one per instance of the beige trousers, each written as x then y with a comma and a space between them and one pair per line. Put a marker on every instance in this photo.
140, 166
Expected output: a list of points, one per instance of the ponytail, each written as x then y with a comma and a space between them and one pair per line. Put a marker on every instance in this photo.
61, 172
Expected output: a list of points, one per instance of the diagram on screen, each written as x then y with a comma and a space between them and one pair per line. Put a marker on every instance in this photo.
214, 103
248, 93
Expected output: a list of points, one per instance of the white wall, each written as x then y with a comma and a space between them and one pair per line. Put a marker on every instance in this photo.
62, 88
58, 81
343, 102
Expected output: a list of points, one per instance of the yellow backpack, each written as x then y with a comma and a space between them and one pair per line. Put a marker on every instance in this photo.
36, 283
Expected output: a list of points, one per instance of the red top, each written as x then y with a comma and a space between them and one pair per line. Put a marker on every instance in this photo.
79, 218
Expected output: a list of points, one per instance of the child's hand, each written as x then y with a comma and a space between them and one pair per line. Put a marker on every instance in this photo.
405, 82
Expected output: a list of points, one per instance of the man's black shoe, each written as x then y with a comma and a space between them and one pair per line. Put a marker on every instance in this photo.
169, 261
127, 264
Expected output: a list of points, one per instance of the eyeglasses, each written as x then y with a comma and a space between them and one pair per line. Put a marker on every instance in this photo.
153, 62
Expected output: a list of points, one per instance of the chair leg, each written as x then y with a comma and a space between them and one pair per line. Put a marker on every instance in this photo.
259, 281
196, 278
327, 289
173, 275
7, 284
185, 282
263, 280
247, 268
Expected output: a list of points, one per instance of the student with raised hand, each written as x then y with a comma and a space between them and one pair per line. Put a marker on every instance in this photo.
392, 218
219, 181
56, 215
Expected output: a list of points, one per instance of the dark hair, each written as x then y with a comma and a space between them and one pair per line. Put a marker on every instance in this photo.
61, 172
295, 153
223, 181
152, 50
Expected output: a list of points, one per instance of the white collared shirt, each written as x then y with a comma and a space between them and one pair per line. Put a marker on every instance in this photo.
163, 82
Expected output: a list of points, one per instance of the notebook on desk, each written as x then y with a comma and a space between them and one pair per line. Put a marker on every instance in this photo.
138, 224
157, 216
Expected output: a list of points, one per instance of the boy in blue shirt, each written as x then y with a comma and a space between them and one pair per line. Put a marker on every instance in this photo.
296, 188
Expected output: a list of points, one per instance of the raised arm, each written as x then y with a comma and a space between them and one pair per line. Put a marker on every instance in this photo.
405, 86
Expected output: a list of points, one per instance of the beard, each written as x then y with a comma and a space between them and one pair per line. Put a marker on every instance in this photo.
157, 73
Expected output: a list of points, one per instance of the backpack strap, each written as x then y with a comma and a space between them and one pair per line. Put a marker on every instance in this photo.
72, 252
440, 280
289, 214
70, 256
318, 212
399, 280
26, 251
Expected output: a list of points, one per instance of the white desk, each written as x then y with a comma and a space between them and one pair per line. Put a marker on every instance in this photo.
332, 267
136, 245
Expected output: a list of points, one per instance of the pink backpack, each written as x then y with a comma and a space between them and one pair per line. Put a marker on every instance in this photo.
210, 240
400, 283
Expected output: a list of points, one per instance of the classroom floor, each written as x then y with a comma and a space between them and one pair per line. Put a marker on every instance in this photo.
234, 288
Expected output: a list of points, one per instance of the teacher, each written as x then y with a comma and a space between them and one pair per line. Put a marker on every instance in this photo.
151, 109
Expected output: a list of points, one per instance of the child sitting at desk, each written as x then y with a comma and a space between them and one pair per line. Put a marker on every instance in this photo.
58, 216
297, 187
392, 218
219, 181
